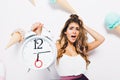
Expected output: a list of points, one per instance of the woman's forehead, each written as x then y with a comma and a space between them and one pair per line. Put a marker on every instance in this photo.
73, 24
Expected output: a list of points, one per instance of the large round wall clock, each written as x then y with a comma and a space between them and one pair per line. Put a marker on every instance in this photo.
38, 51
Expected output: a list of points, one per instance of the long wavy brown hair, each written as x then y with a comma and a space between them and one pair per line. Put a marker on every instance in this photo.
80, 44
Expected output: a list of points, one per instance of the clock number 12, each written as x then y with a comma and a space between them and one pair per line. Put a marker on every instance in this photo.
38, 43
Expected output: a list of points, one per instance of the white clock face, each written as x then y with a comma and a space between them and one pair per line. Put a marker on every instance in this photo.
39, 52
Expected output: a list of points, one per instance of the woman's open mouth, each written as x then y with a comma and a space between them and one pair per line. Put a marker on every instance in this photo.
73, 37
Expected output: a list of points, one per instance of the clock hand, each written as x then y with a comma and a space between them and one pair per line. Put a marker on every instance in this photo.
37, 57
42, 52
38, 63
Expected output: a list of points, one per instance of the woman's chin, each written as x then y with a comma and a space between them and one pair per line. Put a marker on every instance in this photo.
72, 41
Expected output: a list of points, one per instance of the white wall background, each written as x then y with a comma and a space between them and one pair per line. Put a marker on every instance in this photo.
22, 14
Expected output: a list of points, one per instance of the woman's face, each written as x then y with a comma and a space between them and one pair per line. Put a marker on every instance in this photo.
72, 32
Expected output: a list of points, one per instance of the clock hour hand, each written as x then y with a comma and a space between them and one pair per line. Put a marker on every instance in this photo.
42, 52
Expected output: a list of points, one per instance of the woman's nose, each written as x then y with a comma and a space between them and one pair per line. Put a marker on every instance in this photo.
74, 31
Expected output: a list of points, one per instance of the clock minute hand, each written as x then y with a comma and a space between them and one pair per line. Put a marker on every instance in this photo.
38, 63
37, 57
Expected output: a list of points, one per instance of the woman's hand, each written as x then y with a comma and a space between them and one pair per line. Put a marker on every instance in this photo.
98, 38
37, 28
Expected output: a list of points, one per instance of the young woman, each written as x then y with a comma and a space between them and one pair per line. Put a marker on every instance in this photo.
73, 48
72, 58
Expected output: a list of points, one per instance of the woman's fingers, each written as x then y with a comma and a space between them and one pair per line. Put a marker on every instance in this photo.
37, 28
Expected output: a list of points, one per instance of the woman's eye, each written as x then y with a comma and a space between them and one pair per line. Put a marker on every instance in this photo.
71, 28
77, 28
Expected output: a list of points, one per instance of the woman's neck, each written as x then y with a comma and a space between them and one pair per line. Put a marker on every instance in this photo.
70, 50
70, 46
